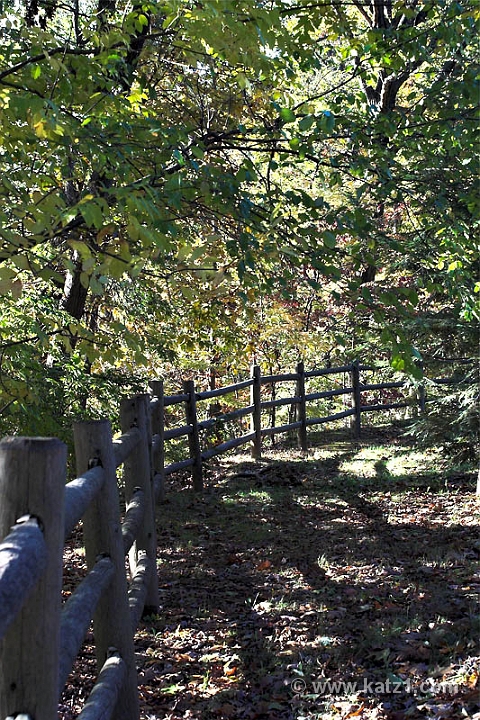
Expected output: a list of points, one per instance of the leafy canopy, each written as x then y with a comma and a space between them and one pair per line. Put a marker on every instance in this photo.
158, 158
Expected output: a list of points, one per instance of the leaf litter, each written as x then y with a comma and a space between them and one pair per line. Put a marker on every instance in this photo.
310, 586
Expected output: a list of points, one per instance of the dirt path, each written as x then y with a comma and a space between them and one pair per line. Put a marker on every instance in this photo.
346, 567
340, 585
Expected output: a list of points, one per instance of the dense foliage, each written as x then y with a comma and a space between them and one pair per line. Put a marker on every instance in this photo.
199, 183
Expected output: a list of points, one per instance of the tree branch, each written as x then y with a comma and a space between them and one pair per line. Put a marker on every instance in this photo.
45, 55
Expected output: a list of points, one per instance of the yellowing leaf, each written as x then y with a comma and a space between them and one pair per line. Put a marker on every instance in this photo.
107, 230
40, 128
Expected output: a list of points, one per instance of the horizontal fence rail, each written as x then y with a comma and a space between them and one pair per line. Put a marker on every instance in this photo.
23, 558
354, 390
39, 638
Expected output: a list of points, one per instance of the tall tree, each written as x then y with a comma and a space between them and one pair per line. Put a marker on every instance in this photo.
275, 142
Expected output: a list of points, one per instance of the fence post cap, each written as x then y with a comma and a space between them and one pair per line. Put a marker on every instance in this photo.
33, 442
93, 423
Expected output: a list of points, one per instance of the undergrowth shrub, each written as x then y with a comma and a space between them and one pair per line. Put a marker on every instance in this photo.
452, 422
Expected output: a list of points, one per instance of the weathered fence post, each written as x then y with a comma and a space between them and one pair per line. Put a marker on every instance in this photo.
193, 437
158, 430
137, 473
422, 397
32, 480
273, 412
256, 421
102, 535
421, 393
302, 407
357, 399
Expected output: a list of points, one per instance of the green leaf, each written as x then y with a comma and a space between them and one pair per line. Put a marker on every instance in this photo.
198, 152
92, 214
398, 362
329, 238
287, 115
306, 122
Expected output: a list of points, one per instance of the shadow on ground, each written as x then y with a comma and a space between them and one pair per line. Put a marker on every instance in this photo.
337, 567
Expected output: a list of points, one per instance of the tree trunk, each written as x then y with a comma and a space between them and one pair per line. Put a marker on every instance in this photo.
74, 294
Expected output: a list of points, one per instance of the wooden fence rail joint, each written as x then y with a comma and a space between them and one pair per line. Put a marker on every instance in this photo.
32, 519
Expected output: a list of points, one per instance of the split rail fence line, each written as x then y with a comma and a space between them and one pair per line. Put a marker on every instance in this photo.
39, 638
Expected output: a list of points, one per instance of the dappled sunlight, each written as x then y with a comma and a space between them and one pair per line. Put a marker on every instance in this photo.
268, 578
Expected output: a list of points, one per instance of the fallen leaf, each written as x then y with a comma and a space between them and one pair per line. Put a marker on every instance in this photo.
355, 713
264, 565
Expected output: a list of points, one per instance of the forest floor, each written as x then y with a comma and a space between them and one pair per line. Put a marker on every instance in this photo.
342, 583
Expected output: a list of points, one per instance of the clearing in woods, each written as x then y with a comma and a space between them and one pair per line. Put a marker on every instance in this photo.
339, 584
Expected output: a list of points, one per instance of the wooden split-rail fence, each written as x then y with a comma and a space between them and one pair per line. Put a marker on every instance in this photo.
39, 637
